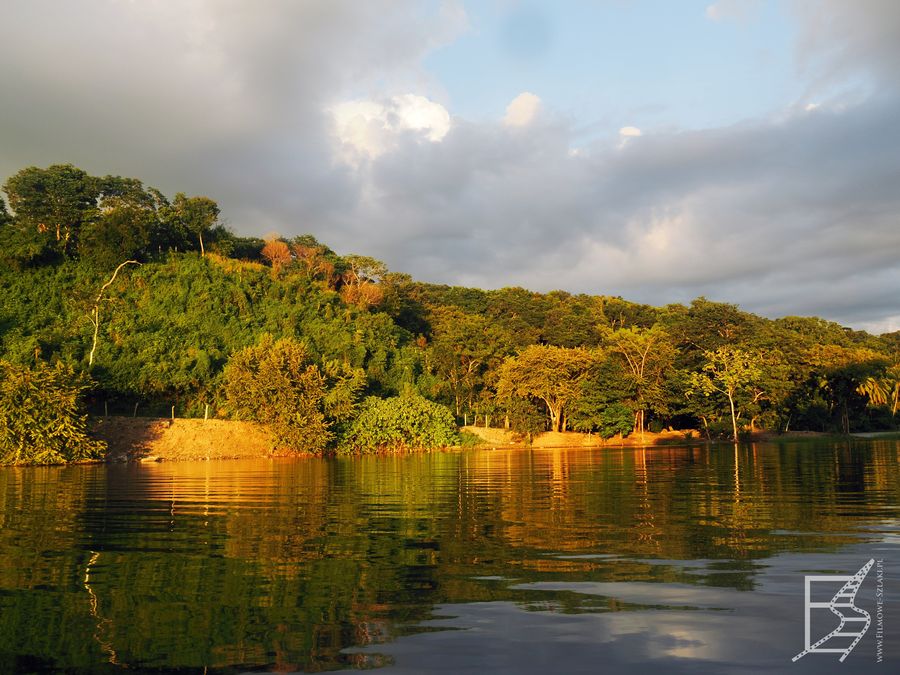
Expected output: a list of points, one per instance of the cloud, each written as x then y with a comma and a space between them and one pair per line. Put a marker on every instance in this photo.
786, 217
319, 117
626, 134
370, 128
840, 40
210, 97
522, 110
737, 10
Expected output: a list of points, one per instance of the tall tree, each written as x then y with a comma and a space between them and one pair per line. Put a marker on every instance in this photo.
648, 355
463, 349
729, 371
361, 277
194, 216
551, 374
51, 205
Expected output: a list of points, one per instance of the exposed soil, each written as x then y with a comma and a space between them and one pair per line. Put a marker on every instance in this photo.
503, 438
149, 439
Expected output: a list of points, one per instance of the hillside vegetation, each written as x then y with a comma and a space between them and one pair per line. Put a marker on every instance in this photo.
153, 307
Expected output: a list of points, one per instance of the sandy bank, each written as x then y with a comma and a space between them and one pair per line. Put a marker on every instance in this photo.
143, 438
502, 438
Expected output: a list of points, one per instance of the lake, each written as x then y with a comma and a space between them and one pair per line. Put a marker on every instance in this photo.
522, 561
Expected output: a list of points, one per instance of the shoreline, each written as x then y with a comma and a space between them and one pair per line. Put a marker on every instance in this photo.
149, 439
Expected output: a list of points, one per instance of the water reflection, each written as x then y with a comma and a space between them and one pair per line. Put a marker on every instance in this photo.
300, 564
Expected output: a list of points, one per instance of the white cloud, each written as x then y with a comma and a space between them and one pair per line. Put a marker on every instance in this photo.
251, 106
626, 134
371, 128
522, 110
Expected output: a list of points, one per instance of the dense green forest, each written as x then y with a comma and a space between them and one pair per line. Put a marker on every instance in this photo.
147, 302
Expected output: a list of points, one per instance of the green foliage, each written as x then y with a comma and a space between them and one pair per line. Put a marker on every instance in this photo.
552, 375
42, 419
408, 422
614, 420
524, 417
730, 372
606, 387
274, 383
469, 440
647, 356
169, 327
50, 206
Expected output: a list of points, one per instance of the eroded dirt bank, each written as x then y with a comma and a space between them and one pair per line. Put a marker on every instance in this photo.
144, 438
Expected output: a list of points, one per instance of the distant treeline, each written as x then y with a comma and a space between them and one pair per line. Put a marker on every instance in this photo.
152, 303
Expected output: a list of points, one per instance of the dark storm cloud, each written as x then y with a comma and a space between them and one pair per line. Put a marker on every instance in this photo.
795, 215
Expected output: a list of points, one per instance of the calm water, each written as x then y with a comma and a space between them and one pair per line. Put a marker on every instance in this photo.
484, 561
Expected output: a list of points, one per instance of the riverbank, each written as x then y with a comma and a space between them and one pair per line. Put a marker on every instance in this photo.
153, 439
504, 438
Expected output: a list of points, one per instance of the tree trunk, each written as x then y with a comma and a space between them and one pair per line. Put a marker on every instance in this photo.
95, 318
733, 417
202, 250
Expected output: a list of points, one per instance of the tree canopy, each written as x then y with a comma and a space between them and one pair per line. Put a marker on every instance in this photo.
211, 319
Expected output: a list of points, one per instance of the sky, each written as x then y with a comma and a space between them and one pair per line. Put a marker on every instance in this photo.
743, 150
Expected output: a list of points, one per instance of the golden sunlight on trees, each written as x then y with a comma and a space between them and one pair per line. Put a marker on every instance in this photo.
551, 374
276, 252
361, 279
648, 355
194, 216
313, 260
731, 372
275, 383
42, 419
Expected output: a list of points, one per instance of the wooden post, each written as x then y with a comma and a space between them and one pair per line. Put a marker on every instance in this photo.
173, 413
134, 414
206, 412
105, 410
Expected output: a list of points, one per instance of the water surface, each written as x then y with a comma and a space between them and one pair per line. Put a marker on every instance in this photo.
522, 561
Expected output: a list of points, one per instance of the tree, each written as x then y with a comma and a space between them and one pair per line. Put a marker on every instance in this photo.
50, 207
275, 383
5, 218
551, 374
601, 405
361, 277
842, 373
729, 371
122, 230
463, 348
276, 251
42, 420
193, 216
648, 355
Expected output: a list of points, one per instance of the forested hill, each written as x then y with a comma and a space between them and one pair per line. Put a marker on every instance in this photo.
151, 303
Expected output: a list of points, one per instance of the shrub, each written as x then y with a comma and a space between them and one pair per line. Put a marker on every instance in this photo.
401, 422
275, 383
42, 419
615, 419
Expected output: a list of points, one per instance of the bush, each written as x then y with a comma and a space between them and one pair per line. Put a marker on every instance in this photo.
400, 423
275, 383
42, 419
616, 419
